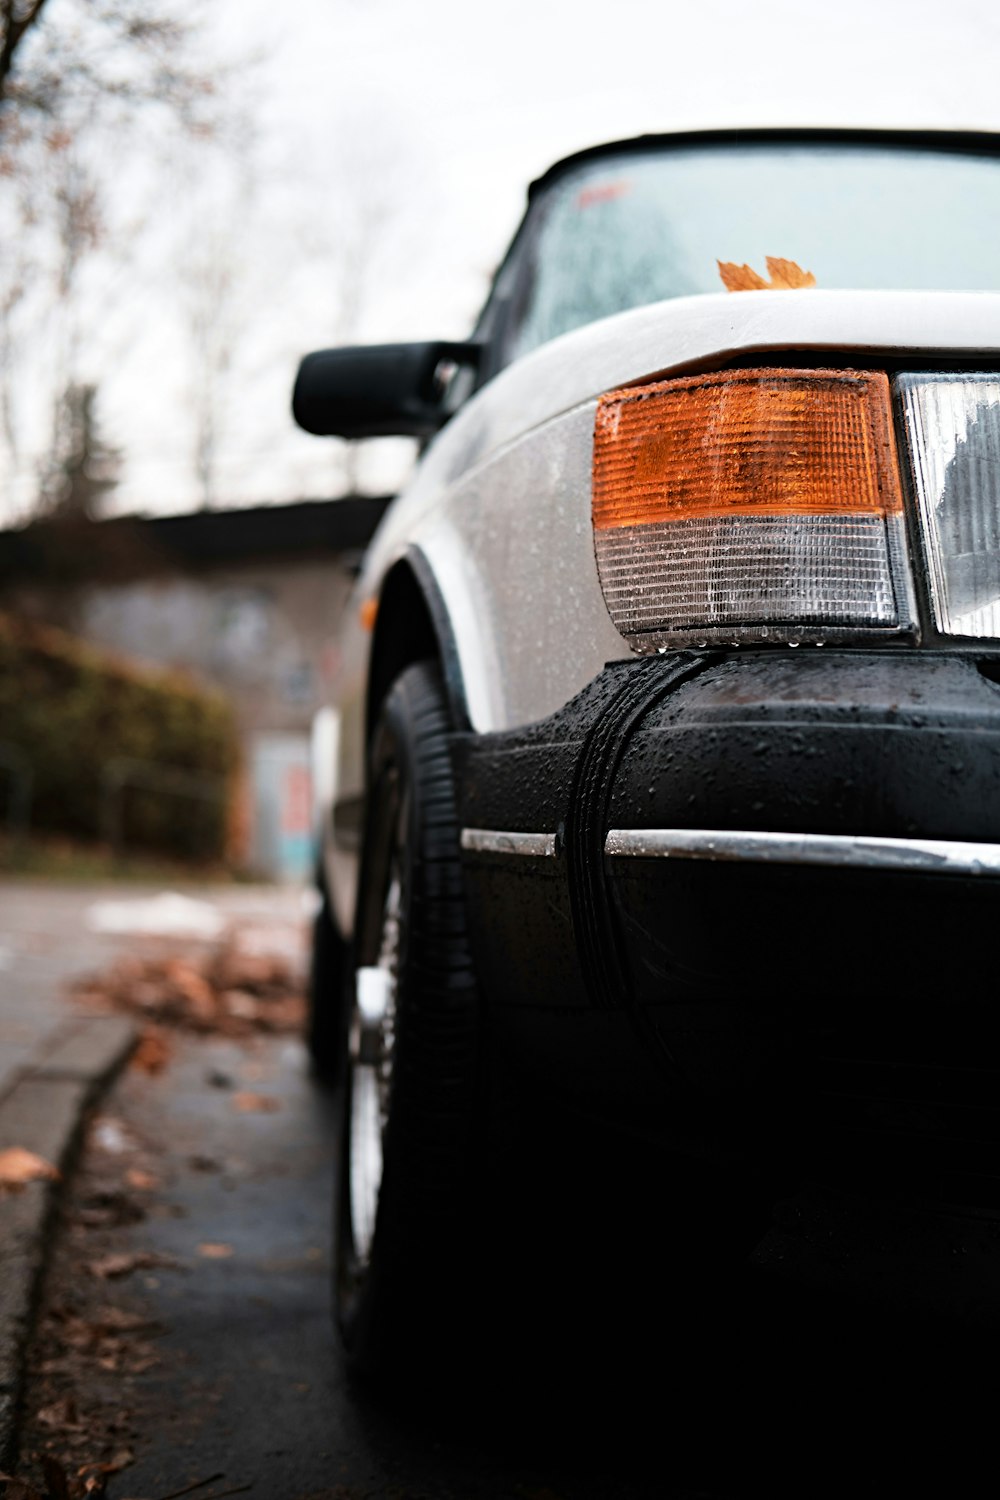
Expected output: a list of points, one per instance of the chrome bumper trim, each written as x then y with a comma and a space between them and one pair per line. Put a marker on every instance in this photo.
936, 856
489, 841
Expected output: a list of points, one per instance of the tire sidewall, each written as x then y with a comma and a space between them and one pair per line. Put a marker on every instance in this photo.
419, 1255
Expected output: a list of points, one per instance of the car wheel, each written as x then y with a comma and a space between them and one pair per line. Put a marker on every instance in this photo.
410, 1142
325, 1029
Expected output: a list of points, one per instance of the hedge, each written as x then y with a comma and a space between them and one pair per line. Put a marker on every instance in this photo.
82, 717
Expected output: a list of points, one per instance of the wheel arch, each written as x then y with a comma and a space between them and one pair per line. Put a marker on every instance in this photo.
412, 624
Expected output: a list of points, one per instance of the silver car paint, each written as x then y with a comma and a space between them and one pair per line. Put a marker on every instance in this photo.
500, 504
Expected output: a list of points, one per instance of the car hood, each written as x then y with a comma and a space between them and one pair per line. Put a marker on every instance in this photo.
701, 332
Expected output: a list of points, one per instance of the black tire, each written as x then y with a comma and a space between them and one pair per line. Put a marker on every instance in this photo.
398, 1299
325, 1023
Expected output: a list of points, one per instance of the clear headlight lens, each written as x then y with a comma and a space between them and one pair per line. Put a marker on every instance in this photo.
953, 425
750, 504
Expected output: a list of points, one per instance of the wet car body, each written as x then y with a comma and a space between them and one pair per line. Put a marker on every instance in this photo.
713, 877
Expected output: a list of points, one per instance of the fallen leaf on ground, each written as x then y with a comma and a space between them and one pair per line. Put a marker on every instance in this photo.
152, 1054
249, 1103
140, 1180
18, 1166
114, 1267
117, 1320
215, 1250
112, 1466
60, 1415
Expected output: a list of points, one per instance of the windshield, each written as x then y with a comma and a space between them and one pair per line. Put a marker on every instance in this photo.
630, 229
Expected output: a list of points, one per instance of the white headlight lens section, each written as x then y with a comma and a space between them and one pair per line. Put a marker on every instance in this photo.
953, 426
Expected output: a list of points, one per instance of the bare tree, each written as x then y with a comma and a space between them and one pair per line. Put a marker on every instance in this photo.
15, 273
83, 468
210, 297
73, 74
60, 58
16, 22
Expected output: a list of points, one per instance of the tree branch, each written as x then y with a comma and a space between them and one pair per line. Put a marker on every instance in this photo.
15, 26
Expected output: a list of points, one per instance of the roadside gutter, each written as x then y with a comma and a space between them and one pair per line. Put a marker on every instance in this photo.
43, 1112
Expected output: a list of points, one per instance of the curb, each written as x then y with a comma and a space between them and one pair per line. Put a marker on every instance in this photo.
44, 1111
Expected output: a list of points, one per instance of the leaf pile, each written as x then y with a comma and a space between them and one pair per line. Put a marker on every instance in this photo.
228, 993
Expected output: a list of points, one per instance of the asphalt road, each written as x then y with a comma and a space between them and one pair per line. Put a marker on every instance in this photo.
600, 1371
554, 1404
623, 1346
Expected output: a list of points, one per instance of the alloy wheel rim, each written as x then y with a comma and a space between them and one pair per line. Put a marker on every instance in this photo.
371, 1053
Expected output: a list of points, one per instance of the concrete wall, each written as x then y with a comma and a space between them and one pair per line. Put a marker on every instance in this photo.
263, 632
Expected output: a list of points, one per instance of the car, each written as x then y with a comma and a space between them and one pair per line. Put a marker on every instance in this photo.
662, 766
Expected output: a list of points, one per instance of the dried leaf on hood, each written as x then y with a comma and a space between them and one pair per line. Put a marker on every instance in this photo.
785, 275
740, 278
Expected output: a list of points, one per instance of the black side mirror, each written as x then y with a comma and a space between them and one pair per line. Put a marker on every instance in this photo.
382, 390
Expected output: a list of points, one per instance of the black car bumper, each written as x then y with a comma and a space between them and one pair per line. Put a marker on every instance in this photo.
713, 878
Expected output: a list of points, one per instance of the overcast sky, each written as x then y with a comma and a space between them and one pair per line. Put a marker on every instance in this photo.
435, 116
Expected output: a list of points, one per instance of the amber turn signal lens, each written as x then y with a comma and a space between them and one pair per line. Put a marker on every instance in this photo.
799, 442
750, 505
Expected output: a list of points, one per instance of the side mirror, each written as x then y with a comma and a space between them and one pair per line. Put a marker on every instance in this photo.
381, 390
